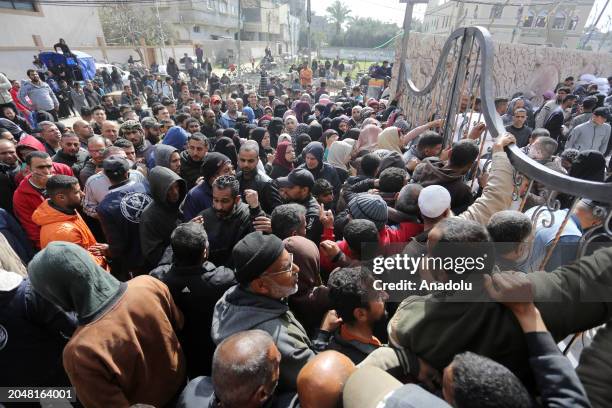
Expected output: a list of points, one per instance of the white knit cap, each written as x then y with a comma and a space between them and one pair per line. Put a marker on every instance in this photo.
433, 201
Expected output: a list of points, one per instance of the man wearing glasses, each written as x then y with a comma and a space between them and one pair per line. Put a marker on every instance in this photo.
266, 276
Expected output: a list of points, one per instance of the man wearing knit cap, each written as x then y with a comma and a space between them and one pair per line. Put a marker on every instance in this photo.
132, 131
266, 276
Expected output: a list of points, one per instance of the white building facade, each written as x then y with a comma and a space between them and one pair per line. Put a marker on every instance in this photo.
556, 24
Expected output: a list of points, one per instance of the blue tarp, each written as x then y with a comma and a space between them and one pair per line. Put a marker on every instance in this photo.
85, 62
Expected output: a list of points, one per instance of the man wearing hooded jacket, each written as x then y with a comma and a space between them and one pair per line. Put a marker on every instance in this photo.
124, 350
160, 217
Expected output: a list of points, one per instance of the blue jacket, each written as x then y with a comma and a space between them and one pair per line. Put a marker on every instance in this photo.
12, 231
197, 200
119, 215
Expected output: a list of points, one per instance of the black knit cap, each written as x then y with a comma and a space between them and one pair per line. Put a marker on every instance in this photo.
253, 254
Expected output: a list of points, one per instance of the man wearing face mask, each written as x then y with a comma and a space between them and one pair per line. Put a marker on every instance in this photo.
31, 192
266, 276
228, 220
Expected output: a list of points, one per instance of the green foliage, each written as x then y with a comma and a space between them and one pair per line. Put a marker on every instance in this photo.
365, 33
126, 25
339, 13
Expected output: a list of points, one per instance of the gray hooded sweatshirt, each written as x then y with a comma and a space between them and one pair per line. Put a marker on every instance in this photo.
240, 310
163, 154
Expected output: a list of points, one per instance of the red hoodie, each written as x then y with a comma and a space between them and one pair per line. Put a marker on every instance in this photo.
386, 236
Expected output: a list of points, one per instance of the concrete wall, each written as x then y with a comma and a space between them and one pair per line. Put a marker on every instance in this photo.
516, 68
361, 54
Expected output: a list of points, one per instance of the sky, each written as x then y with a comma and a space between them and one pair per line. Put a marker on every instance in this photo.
393, 11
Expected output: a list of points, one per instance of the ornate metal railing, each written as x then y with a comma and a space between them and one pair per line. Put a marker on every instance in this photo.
464, 76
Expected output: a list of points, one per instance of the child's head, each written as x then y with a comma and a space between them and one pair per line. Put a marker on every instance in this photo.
323, 191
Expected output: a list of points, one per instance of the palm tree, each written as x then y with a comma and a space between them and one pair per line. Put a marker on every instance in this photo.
339, 13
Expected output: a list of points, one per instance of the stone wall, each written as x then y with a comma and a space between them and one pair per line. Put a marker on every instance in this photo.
516, 68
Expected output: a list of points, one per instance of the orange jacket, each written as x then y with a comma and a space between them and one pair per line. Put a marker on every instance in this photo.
58, 226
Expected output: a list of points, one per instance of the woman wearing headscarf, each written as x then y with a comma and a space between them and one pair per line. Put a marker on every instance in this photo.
340, 125
313, 162
310, 302
291, 124
249, 113
226, 146
245, 130
301, 128
301, 142
302, 109
390, 139
339, 157
275, 128
284, 137
283, 160
329, 137
262, 137
368, 138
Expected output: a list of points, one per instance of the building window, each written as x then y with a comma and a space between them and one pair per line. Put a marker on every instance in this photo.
573, 23
496, 11
529, 18
196, 29
19, 5
559, 21
541, 20
210, 4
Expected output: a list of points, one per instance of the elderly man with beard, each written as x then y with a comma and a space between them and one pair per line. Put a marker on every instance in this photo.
266, 276
251, 179
228, 220
132, 131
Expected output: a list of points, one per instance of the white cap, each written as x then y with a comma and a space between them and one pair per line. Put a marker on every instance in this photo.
433, 201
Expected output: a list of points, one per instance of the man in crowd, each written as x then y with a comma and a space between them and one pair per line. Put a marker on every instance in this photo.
229, 219
250, 179
9, 167
593, 134
160, 217
132, 131
37, 95
51, 136
95, 147
99, 358
70, 152
518, 128
296, 188
196, 284
228, 118
119, 214
83, 130
112, 112
99, 116
192, 158
59, 220
109, 130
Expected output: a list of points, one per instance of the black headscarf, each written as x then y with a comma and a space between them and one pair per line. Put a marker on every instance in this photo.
315, 132
275, 128
226, 146
300, 143
352, 133
326, 123
257, 135
211, 164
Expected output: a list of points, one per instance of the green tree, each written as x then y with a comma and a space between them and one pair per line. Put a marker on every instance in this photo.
366, 33
339, 13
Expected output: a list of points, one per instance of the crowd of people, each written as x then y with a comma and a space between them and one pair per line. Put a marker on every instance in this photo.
178, 246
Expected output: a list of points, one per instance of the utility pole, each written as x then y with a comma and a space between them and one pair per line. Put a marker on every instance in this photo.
588, 38
239, 35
